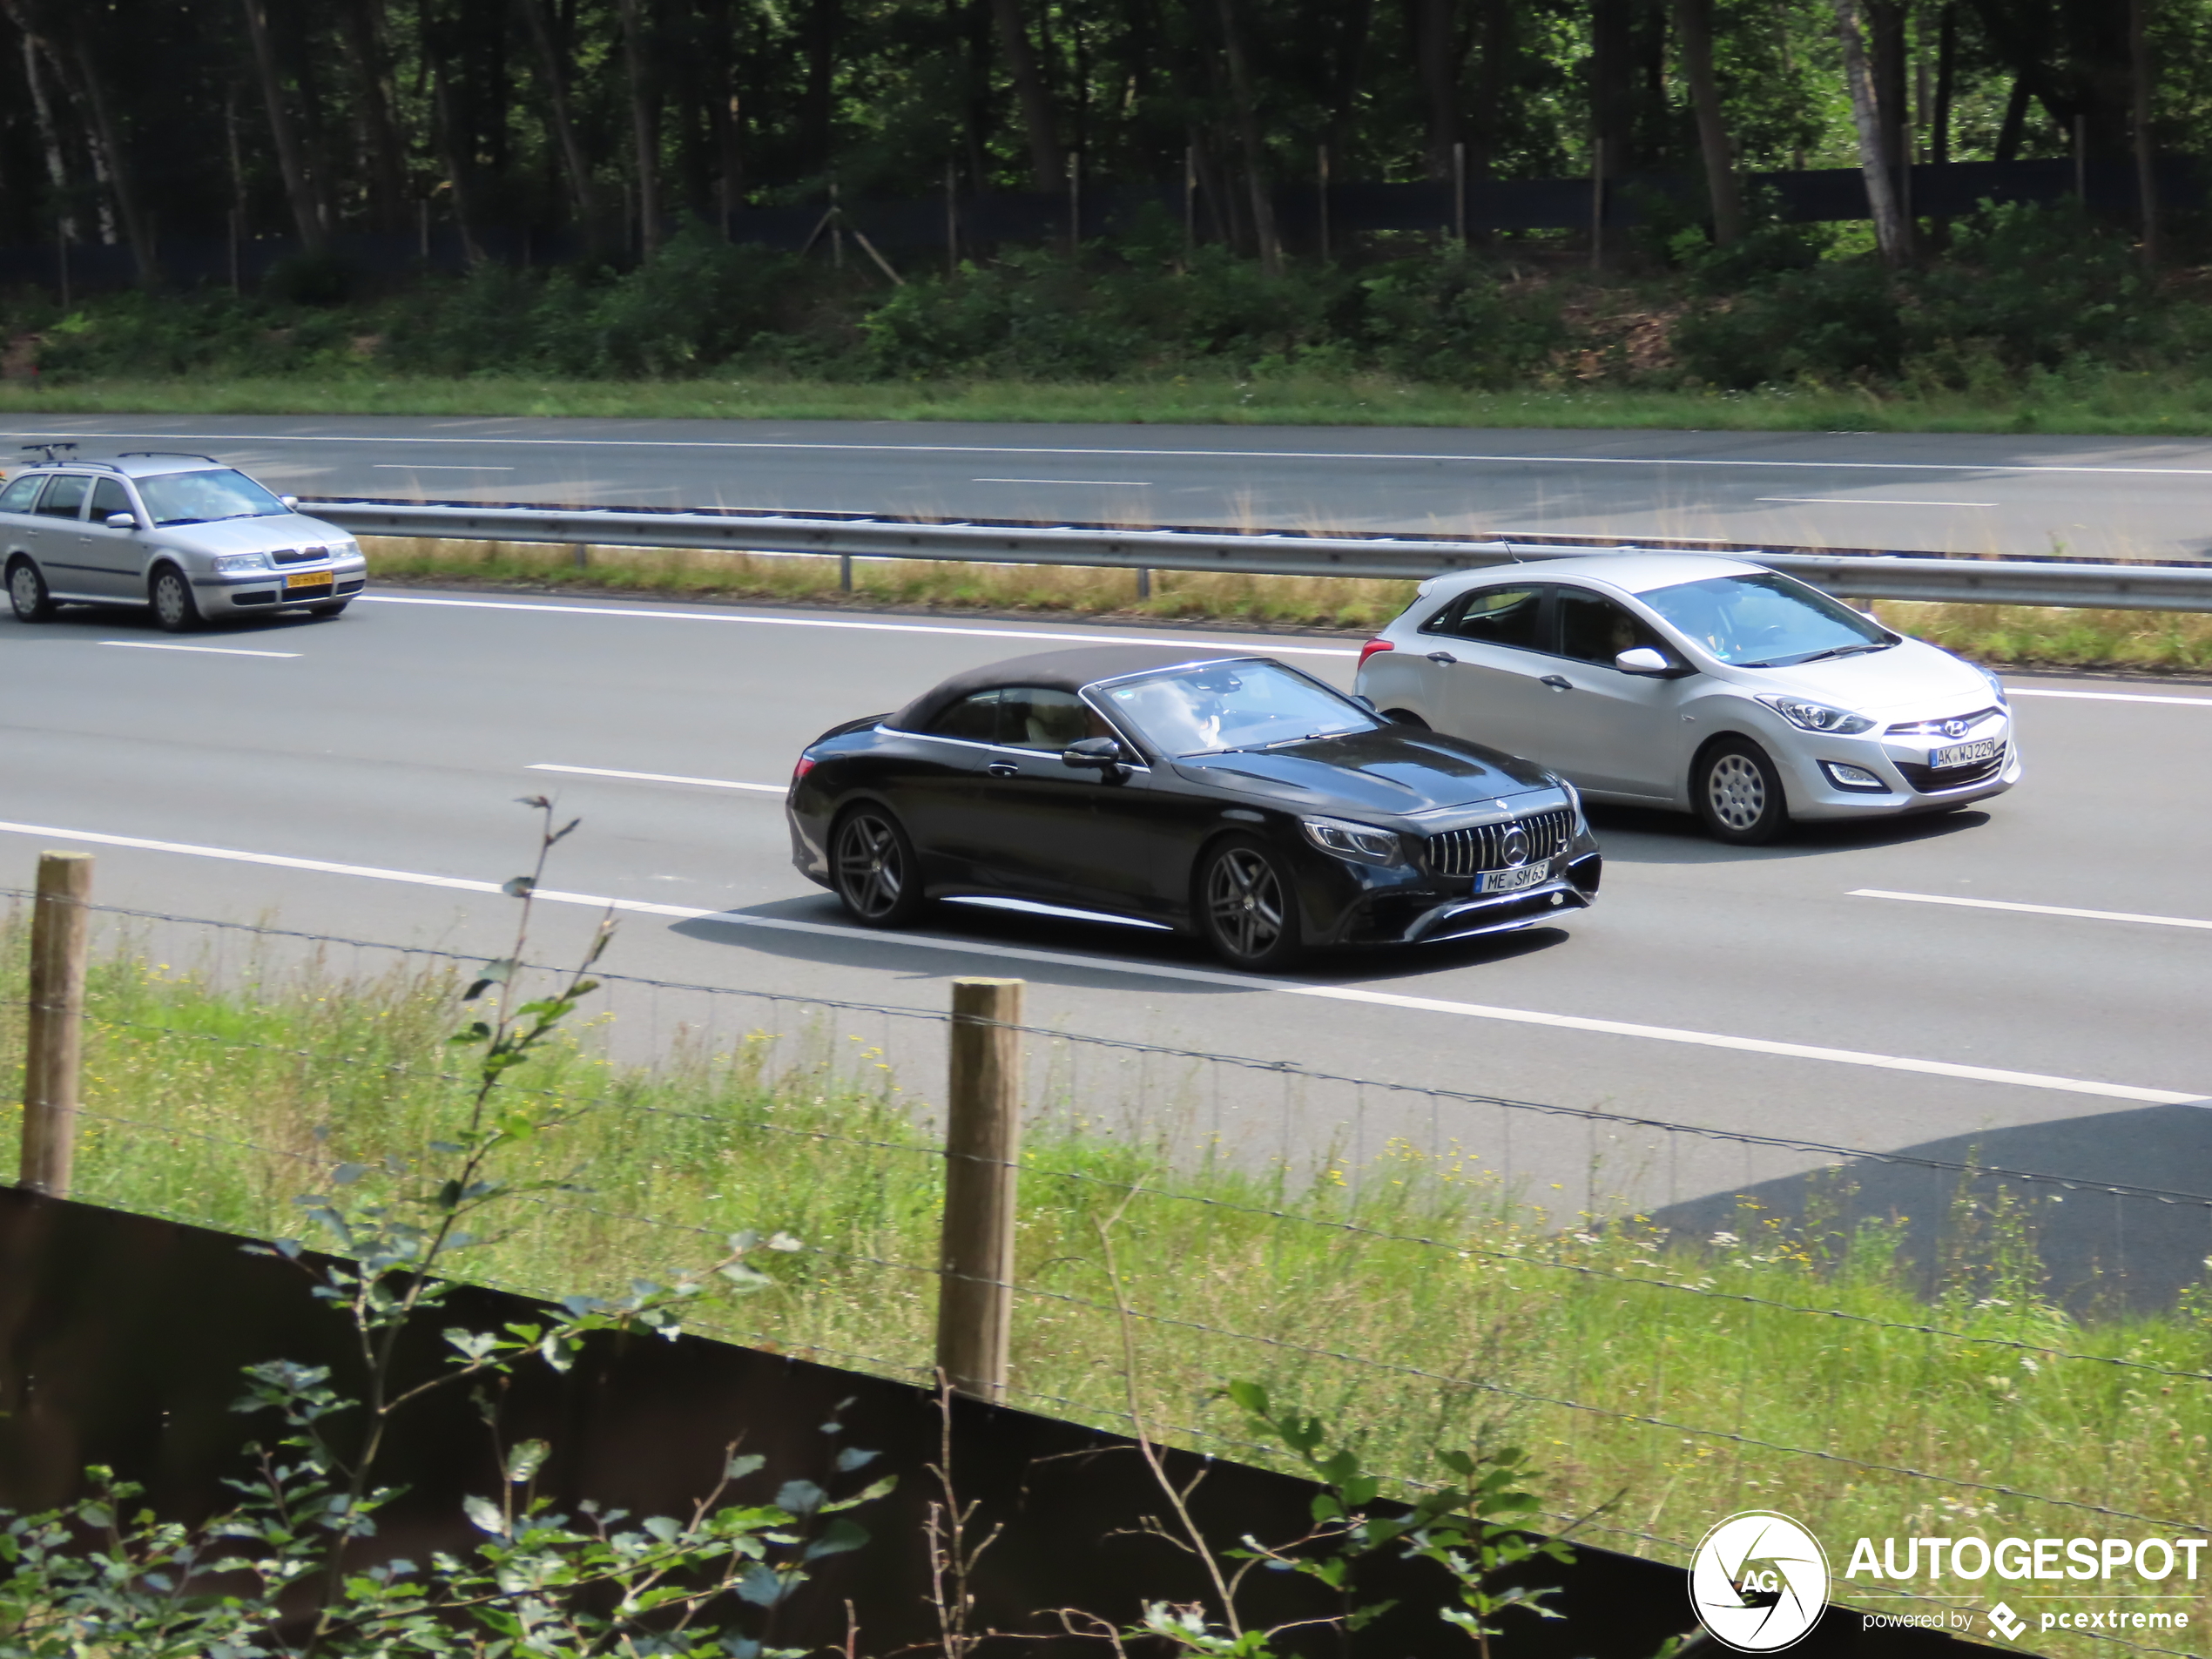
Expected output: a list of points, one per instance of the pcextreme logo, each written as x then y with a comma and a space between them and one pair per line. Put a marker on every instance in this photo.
1758, 1582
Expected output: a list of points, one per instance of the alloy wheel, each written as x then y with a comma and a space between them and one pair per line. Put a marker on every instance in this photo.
1245, 902
871, 866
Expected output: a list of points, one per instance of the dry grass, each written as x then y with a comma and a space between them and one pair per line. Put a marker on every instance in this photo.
2032, 634
2022, 636
1281, 601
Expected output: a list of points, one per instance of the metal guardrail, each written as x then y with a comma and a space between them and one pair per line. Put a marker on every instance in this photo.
1863, 574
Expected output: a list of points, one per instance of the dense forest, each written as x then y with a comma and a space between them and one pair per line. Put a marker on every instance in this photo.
126, 118
621, 128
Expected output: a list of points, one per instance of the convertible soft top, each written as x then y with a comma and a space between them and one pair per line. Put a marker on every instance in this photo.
1061, 670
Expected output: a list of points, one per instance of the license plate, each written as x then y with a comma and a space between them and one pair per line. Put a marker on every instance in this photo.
1965, 754
1528, 875
306, 579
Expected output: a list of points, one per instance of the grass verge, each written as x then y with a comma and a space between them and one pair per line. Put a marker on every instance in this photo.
1415, 1302
2017, 635
2091, 403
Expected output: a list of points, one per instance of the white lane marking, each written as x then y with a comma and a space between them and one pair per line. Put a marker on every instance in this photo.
877, 942
1258, 645
655, 777
2108, 696
1103, 484
2030, 910
432, 466
1872, 501
211, 650
1169, 454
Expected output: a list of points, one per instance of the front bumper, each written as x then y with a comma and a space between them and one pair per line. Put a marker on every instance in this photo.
1424, 909
1810, 766
243, 592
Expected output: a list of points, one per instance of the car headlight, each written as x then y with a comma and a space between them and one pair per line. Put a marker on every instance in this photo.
1818, 717
1995, 684
231, 564
1358, 842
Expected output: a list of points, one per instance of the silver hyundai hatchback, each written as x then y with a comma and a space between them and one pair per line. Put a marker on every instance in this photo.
184, 534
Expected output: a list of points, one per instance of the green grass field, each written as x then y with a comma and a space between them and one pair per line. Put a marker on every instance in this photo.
1415, 1301
2091, 403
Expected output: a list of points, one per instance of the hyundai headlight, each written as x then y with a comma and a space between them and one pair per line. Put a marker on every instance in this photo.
1358, 842
232, 564
1818, 717
1995, 684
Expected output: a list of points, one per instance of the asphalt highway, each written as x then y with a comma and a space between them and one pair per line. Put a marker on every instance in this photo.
1960, 492
2023, 981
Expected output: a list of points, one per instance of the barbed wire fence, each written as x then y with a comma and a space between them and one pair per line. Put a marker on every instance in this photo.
1688, 1322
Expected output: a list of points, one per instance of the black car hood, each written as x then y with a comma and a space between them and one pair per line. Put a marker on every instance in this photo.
1399, 770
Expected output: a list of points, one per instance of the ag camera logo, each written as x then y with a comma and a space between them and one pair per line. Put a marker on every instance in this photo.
1759, 1581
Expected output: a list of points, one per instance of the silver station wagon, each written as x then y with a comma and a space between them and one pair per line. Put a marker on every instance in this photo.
184, 534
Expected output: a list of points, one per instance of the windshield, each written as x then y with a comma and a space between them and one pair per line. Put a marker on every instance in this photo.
197, 497
1766, 621
1232, 705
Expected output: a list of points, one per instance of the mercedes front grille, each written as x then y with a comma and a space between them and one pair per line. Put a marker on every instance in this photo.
1469, 851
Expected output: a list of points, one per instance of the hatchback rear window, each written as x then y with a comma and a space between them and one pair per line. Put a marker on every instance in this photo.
201, 497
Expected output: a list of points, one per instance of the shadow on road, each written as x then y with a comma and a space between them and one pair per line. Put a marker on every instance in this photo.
1641, 835
2113, 1231
963, 939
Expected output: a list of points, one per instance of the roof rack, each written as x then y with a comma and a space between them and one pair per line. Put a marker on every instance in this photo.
46, 447
165, 455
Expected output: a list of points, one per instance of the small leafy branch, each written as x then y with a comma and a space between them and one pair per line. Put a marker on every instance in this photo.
289, 1570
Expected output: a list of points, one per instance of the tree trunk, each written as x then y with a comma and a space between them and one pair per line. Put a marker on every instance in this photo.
50, 136
1866, 115
135, 229
1946, 80
1048, 162
298, 191
1350, 65
2140, 72
574, 166
1434, 28
386, 150
2015, 122
1493, 75
1243, 97
1611, 108
456, 165
644, 128
1694, 22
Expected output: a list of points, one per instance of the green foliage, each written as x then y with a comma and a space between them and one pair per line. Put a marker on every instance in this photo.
1455, 321
271, 1576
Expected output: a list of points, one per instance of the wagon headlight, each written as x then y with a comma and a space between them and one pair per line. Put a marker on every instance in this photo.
1358, 842
232, 564
1818, 717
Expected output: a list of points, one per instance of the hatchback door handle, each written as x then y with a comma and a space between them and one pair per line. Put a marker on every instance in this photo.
1557, 682
1443, 657
1003, 769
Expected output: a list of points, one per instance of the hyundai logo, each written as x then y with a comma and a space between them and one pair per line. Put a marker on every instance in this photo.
1954, 728
1513, 847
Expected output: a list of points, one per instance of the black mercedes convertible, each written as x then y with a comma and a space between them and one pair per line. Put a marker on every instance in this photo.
1230, 796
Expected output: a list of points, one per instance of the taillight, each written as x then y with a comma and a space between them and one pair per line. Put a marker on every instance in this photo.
805, 764
1371, 647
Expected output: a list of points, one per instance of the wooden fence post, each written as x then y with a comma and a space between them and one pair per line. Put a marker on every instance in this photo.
982, 1150
53, 1054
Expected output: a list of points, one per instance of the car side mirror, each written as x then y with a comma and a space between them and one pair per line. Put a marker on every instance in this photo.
1641, 659
1367, 703
122, 520
290, 503
1105, 755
